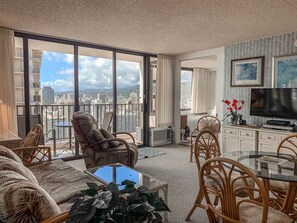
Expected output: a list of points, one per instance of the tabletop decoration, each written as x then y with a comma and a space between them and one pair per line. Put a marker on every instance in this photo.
233, 109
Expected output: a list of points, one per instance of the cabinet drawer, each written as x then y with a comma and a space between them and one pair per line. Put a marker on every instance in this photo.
249, 134
269, 137
230, 132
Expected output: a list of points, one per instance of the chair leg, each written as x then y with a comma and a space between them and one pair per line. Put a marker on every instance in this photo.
191, 152
197, 202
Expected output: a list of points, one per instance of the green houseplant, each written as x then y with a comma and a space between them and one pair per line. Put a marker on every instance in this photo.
112, 205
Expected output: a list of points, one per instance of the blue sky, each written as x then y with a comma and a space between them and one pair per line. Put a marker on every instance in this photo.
57, 71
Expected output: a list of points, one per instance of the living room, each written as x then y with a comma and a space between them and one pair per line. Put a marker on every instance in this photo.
133, 38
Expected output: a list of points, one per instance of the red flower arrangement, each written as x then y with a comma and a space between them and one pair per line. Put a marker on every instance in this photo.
233, 109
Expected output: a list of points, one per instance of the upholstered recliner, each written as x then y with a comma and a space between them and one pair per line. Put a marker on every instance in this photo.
100, 147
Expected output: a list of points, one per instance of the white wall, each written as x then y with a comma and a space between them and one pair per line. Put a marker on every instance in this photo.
219, 52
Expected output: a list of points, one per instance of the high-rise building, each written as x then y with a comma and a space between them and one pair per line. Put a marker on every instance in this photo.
35, 57
134, 97
48, 95
101, 97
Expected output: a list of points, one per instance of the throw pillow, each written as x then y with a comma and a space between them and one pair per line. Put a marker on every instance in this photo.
32, 139
108, 135
99, 137
9, 164
9, 154
26, 202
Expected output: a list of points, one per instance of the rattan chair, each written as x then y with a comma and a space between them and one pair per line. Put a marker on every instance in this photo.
254, 208
206, 147
288, 147
209, 122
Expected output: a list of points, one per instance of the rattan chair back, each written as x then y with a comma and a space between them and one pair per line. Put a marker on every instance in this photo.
288, 146
206, 147
209, 122
227, 189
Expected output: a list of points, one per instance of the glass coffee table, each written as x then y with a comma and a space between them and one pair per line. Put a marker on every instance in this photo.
118, 172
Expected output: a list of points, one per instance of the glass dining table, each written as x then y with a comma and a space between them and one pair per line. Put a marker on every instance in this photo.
271, 166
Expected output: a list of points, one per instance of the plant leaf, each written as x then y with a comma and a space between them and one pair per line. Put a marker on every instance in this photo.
92, 185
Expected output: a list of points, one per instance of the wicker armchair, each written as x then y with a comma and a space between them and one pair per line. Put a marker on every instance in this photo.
100, 147
209, 122
253, 208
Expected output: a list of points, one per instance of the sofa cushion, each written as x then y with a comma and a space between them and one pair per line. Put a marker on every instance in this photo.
61, 180
9, 164
24, 201
9, 154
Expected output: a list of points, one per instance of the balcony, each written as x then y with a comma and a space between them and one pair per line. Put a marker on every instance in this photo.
36, 84
128, 118
36, 98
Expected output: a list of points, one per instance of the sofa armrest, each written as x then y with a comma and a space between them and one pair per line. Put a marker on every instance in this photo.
124, 133
31, 155
58, 218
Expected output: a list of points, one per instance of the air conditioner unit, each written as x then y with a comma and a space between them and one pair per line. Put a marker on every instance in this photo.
160, 136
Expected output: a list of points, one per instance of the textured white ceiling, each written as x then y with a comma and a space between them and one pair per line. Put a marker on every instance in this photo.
156, 26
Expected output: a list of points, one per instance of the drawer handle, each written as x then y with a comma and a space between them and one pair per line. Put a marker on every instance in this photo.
268, 137
230, 132
247, 134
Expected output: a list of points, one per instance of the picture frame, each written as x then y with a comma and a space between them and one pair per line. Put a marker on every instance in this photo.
285, 71
247, 72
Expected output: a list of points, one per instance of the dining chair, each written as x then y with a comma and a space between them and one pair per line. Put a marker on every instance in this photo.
287, 147
206, 122
207, 147
253, 208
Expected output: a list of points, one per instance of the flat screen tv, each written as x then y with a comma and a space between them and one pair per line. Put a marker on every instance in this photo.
274, 102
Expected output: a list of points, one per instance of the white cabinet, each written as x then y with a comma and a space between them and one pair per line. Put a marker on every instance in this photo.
239, 138
251, 138
269, 139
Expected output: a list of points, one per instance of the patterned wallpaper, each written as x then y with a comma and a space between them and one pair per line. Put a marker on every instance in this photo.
268, 47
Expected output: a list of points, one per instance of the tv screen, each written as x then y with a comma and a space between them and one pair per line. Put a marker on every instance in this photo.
274, 102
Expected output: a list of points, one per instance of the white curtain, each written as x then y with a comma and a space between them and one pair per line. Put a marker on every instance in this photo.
203, 90
8, 121
164, 91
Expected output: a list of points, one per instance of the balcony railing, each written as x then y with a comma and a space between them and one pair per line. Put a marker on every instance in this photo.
128, 116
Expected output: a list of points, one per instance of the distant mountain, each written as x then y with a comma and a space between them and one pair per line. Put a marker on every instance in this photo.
93, 92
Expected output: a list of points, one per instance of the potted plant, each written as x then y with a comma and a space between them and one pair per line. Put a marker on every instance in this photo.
111, 205
233, 109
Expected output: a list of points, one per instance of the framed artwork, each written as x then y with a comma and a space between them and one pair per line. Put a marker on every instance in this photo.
247, 72
285, 71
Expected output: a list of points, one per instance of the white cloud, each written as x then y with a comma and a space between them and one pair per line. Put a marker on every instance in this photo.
68, 71
99, 62
69, 58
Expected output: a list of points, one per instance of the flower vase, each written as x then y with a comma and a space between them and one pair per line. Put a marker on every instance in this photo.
234, 119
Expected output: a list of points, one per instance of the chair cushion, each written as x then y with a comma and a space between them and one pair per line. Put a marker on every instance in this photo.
253, 213
95, 136
9, 164
9, 154
279, 186
31, 139
108, 135
24, 201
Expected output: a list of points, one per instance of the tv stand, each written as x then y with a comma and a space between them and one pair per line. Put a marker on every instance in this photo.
244, 137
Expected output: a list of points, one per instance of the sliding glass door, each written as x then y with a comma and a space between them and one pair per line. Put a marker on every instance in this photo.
54, 78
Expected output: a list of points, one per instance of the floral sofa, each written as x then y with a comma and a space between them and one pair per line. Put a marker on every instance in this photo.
36, 192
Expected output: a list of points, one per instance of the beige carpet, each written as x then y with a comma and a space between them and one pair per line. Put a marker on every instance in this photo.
181, 175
